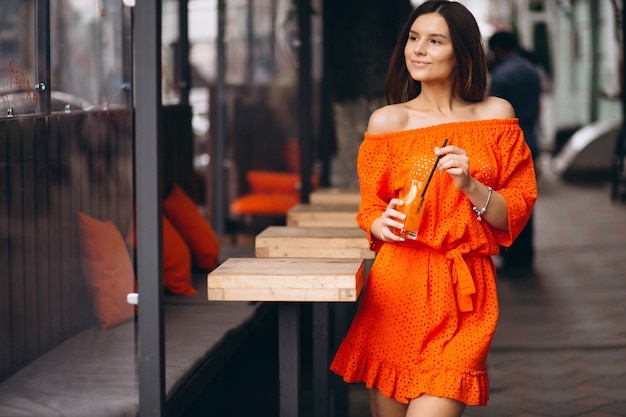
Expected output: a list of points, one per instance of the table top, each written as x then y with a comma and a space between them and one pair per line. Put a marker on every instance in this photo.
286, 279
325, 208
335, 196
322, 215
313, 242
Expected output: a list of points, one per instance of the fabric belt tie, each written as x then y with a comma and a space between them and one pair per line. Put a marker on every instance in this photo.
462, 278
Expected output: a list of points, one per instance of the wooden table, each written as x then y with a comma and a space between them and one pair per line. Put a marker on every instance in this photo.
322, 215
335, 196
289, 281
311, 242
325, 242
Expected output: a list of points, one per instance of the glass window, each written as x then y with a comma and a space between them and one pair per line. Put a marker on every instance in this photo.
87, 41
89, 56
17, 58
258, 124
66, 182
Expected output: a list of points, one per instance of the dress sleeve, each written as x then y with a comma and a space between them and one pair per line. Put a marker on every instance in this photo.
517, 183
372, 167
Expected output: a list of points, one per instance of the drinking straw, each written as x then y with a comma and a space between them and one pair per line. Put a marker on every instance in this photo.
432, 171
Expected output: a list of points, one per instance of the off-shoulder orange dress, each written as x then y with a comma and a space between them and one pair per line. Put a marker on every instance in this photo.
429, 308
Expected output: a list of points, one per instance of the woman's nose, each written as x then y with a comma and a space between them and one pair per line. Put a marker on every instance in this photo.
419, 48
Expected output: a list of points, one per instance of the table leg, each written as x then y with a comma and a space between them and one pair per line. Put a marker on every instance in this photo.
289, 359
320, 359
342, 317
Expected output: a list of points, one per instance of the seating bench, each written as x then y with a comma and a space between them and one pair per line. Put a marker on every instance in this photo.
54, 359
94, 373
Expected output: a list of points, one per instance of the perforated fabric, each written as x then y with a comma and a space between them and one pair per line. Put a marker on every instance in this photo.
428, 312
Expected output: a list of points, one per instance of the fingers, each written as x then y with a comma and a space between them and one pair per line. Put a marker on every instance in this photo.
452, 158
455, 162
450, 149
390, 220
391, 216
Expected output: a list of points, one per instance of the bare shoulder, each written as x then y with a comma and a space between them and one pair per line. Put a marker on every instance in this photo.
495, 108
386, 119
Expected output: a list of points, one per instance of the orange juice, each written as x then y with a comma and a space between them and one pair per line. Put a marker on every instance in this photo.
413, 208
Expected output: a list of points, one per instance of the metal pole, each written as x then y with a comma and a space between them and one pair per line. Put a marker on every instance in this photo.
183, 51
219, 132
321, 319
622, 27
594, 11
42, 62
128, 22
327, 129
289, 359
250, 64
306, 138
148, 192
617, 159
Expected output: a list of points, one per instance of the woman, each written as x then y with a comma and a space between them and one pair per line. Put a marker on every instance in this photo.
427, 315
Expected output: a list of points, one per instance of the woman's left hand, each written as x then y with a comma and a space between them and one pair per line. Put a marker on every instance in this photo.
455, 162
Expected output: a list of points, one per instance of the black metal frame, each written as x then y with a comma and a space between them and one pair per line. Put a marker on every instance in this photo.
148, 189
618, 176
219, 131
182, 58
42, 47
304, 99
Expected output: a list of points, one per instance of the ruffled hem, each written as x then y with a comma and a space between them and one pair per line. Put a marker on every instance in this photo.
469, 387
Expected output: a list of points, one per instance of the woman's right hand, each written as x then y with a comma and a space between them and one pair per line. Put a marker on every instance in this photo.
383, 227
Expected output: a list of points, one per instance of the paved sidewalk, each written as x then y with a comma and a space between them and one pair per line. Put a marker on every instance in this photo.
560, 347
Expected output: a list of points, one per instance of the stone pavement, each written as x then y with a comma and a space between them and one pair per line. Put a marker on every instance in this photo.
560, 346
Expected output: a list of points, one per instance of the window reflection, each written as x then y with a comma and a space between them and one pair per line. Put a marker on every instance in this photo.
89, 63
170, 36
91, 70
261, 85
17, 57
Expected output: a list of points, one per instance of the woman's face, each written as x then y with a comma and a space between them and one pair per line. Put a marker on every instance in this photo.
428, 52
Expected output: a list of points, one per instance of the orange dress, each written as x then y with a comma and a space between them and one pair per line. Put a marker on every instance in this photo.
429, 309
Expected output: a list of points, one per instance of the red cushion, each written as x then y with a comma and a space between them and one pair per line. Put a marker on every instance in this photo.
176, 262
195, 230
273, 182
108, 271
264, 204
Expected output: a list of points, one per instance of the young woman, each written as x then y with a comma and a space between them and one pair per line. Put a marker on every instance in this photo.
427, 315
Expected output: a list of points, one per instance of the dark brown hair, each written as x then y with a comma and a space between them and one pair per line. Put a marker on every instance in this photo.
471, 71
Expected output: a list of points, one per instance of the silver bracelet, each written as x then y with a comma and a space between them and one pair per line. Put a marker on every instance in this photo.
480, 212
